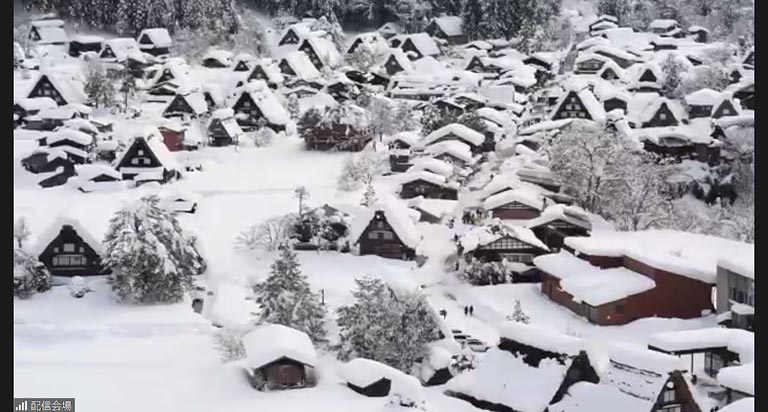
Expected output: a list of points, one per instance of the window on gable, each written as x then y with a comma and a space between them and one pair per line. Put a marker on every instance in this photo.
662, 116
140, 152
573, 100
668, 395
69, 247
135, 161
81, 249
146, 161
388, 235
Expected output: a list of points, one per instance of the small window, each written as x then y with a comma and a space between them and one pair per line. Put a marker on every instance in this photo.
69, 248
135, 161
81, 249
573, 100
140, 152
662, 116
146, 161
668, 395
56, 249
726, 112
373, 235
380, 224
388, 236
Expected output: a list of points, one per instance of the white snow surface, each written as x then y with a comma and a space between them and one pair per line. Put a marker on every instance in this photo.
542, 337
590, 397
736, 340
742, 405
363, 372
742, 263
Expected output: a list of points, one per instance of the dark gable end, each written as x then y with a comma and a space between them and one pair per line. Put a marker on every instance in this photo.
662, 117
245, 105
648, 76
107, 52
166, 76
286, 68
290, 37
241, 66
572, 107
392, 65
475, 64
69, 255
614, 103
139, 144
258, 73
178, 105
379, 238
408, 46
354, 45
725, 109
45, 88
145, 40
307, 48
580, 370
676, 392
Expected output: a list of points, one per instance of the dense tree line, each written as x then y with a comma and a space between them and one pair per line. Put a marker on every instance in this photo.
129, 17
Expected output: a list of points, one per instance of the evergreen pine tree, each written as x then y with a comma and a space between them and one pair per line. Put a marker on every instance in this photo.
98, 87
671, 70
30, 276
286, 299
151, 258
473, 19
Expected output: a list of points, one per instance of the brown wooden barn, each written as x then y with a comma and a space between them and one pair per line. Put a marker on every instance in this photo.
68, 249
279, 357
389, 232
618, 279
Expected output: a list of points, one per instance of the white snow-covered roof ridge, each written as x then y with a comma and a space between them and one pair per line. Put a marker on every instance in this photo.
742, 263
523, 196
158, 36
301, 65
740, 378
270, 342
53, 230
485, 235
459, 130
450, 25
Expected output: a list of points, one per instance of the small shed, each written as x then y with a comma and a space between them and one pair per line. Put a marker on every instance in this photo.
279, 357
375, 379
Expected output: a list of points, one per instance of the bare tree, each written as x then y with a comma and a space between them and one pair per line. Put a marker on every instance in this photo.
21, 231
302, 194
229, 343
268, 235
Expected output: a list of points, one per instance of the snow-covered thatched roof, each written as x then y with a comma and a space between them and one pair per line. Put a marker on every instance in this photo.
462, 132
158, 36
50, 31
266, 101
397, 215
46, 237
222, 56
125, 47
484, 235
435, 179
36, 103
301, 65
453, 148
450, 25
423, 43
90, 171
69, 88
587, 98
431, 165
325, 50
75, 136
570, 214
270, 342
525, 197
542, 337
590, 397
703, 97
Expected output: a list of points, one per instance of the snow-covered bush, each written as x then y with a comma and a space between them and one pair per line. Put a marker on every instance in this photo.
99, 88
151, 258
465, 361
386, 326
78, 288
361, 169
518, 315
325, 232
365, 56
30, 276
481, 273
229, 344
268, 235
714, 76
286, 299
263, 137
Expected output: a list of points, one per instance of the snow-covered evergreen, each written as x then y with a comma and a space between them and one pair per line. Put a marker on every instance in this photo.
29, 275
151, 258
286, 299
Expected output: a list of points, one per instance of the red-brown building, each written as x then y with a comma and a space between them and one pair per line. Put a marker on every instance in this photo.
513, 205
624, 276
389, 232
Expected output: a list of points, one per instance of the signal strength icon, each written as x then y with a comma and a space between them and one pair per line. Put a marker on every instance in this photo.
21, 407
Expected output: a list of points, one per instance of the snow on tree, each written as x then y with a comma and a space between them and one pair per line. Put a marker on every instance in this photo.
268, 235
617, 8
309, 120
369, 197
293, 107
128, 86
640, 199
386, 326
365, 56
518, 315
286, 299
466, 361
98, 86
30, 276
302, 194
672, 71
263, 136
714, 76
382, 116
403, 118
229, 343
361, 169
151, 258
473, 19
20, 231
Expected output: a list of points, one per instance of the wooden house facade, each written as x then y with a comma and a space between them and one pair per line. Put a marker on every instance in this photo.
70, 253
430, 190
572, 107
283, 373
380, 238
45, 88
509, 248
141, 158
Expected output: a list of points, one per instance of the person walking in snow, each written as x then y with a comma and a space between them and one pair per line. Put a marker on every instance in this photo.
471, 310
466, 310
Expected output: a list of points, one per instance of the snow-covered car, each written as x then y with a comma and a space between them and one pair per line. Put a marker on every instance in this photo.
181, 201
476, 345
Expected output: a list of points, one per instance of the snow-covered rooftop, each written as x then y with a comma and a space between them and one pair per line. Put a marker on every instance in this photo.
570, 214
590, 397
457, 149
481, 236
740, 378
459, 130
687, 254
736, 340
88, 172
505, 379
53, 230
71, 135
301, 65
542, 337
432, 165
125, 47
450, 25
398, 216
590, 284
36, 103
158, 36
423, 43
742, 263
363, 372
270, 342
742, 405
526, 197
